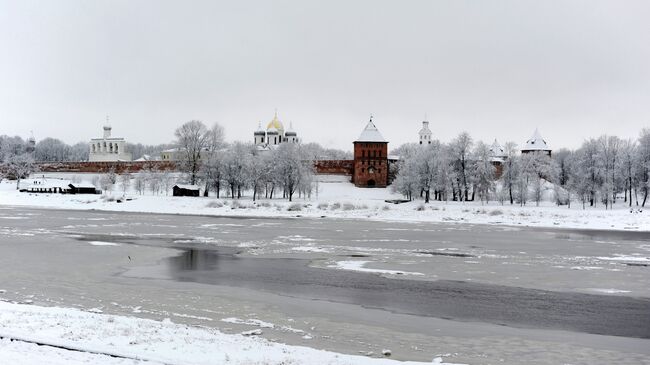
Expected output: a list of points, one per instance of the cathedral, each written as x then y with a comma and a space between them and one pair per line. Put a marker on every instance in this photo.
274, 134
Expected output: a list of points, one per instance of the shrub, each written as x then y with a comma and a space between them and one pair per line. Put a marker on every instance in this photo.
295, 207
420, 207
322, 206
348, 206
385, 208
214, 204
335, 206
264, 204
496, 212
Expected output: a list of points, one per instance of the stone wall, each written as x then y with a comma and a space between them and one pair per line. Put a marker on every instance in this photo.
99, 167
335, 167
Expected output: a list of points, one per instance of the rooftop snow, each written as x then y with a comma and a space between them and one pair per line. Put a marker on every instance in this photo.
371, 134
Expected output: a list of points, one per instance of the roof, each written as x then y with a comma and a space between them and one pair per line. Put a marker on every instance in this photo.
82, 186
48, 184
186, 186
275, 123
371, 134
536, 143
259, 130
497, 150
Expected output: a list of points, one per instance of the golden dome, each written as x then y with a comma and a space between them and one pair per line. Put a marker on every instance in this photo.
275, 123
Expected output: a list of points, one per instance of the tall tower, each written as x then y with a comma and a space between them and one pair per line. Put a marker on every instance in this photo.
425, 133
370, 158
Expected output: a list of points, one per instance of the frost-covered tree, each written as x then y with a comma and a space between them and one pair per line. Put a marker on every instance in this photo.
191, 138
461, 148
590, 168
643, 164
140, 182
79, 152
510, 172
427, 169
234, 168
484, 172
406, 181
293, 169
19, 166
125, 182
627, 168
52, 150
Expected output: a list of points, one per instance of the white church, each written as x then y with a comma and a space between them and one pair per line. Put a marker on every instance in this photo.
108, 148
274, 135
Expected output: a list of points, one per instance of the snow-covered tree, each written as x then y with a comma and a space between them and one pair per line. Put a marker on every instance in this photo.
643, 164
292, 169
192, 138
19, 166
461, 148
52, 150
125, 182
511, 171
484, 172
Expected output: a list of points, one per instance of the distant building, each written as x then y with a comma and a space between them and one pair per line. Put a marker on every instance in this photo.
536, 144
425, 133
370, 158
108, 148
172, 154
185, 190
497, 152
274, 134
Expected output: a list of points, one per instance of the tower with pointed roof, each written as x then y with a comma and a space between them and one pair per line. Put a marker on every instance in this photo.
536, 144
370, 158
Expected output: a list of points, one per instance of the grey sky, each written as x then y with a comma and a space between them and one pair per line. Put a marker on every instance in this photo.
574, 69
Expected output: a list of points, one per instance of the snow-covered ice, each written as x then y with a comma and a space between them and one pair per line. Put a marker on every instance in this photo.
359, 266
78, 337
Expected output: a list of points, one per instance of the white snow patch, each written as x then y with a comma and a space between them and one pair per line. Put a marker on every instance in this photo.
103, 243
359, 266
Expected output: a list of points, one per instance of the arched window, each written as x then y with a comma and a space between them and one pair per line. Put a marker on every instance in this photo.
93, 148
116, 151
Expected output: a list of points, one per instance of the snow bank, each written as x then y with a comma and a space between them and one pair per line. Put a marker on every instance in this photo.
338, 198
106, 339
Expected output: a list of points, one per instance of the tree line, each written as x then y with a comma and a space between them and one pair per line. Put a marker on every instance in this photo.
603, 170
234, 168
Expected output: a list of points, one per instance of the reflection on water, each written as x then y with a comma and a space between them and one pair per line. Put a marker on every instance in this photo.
196, 260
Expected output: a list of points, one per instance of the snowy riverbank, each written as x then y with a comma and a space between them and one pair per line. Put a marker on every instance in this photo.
38, 335
338, 198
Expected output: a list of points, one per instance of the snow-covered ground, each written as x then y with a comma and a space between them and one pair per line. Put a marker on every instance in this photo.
338, 198
33, 335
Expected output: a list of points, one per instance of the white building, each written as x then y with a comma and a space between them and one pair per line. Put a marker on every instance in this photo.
425, 133
108, 148
274, 134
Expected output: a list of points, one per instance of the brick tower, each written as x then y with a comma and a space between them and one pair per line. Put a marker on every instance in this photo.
370, 159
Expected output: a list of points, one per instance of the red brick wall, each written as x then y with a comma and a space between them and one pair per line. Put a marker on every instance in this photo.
119, 167
371, 156
335, 167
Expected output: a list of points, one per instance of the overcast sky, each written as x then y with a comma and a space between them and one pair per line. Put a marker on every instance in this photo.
497, 69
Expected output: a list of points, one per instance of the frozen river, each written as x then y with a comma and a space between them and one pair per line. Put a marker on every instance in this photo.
484, 294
